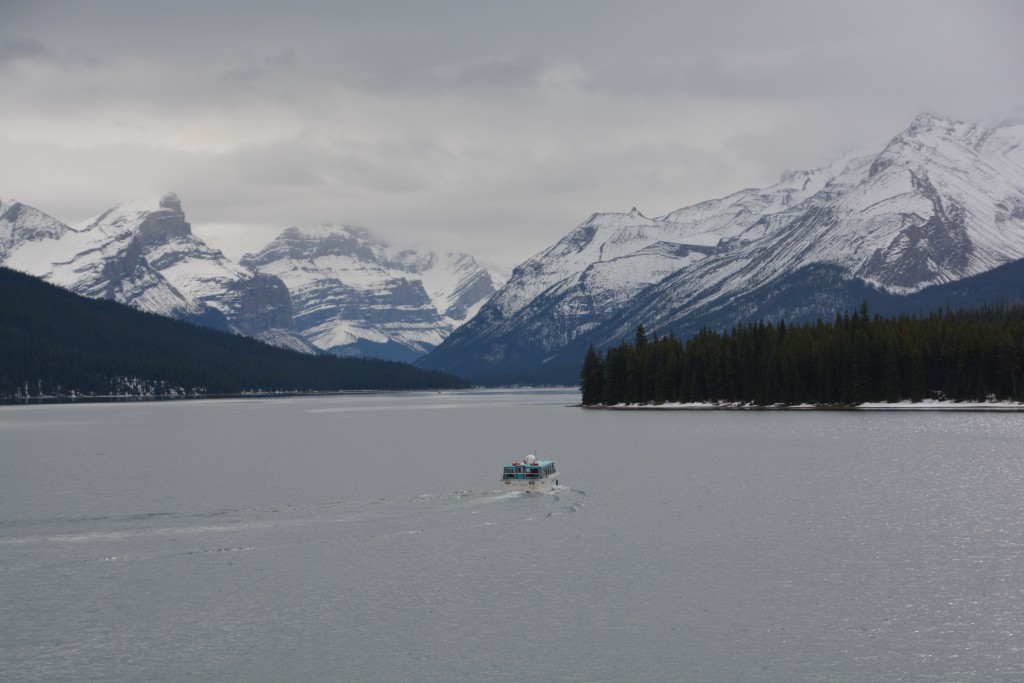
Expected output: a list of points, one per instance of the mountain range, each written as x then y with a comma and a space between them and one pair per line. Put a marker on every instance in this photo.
900, 227
916, 223
326, 288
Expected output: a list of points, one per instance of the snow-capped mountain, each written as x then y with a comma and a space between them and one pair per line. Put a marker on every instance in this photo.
354, 295
311, 289
941, 202
90, 262
144, 254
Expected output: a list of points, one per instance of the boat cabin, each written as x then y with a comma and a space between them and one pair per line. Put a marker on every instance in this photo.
529, 468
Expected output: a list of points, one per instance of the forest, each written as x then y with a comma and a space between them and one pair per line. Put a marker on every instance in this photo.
54, 343
964, 355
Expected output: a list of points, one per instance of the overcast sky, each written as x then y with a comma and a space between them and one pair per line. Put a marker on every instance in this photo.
488, 127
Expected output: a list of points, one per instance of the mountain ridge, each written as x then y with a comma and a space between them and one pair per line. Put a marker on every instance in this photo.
940, 202
356, 295
144, 254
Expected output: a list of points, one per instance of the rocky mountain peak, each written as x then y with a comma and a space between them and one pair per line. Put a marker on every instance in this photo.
308, 243
171, 202
20, 223
166, 224
354, 294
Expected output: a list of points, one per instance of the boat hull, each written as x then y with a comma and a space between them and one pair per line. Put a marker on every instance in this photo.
529, 485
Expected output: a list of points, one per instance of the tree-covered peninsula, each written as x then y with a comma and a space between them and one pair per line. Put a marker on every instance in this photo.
971, 355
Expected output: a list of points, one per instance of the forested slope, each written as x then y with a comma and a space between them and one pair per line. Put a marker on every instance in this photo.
971, 355
53, 342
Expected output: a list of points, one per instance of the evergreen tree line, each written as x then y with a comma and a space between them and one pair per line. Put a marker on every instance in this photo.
963, 355
55, 343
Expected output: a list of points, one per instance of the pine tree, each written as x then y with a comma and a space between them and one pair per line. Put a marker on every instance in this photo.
615, 384
917, 378
641, 337
592, 378
892, 375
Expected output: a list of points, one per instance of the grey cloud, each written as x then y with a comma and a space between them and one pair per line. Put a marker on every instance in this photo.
253, 70
469, 119
283, 164
16, 49
498, 74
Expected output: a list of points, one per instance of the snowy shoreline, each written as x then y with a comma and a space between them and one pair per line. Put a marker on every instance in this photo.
929, 405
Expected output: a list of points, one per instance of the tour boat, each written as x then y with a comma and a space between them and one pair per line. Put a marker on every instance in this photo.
529, 474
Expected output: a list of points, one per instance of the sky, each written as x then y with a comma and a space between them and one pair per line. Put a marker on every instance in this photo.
489, 127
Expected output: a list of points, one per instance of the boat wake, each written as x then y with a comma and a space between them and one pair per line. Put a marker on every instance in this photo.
206, 536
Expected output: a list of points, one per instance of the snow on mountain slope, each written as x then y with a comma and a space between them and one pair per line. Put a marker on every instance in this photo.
617, 252
935, 205
354, 295
252, 302
22, 226
100, 261
144, 254
457, 285
930, 208
610, 257
942, 201
727, 218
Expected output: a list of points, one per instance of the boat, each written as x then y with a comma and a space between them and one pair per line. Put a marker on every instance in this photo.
529, 474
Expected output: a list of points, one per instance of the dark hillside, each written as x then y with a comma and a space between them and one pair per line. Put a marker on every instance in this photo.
54, 342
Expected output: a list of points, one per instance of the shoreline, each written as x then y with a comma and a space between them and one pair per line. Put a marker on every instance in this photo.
247, 395
902, 406
115, 398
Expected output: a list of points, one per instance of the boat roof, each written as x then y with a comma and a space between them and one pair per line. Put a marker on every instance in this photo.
532, 463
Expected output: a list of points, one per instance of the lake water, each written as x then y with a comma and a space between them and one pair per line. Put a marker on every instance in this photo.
363, 538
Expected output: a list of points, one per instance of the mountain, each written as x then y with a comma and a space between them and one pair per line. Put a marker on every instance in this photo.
57, 343
942, 201
145, 255
354, 295
324, 288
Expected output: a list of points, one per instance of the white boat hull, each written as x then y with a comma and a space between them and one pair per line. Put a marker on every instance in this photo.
529, 485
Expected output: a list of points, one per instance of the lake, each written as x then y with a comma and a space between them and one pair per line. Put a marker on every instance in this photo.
364, 538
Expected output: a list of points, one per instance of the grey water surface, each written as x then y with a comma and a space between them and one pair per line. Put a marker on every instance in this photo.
363, 538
